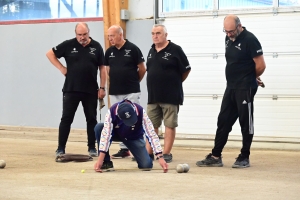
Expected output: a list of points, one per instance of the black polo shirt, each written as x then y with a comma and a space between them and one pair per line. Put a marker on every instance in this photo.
164, 74
82, 65
240, 67
123, 69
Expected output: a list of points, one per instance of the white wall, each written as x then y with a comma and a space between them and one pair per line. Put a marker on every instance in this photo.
140, 9
202, 36
31, 87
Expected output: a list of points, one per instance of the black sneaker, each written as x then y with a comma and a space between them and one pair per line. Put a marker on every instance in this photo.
122, 153
210, 161
168, 157
59, 152
107, 166
241, 162
151, 156
93, 152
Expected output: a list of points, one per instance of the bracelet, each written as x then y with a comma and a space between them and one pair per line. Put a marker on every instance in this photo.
103, 88
158, 157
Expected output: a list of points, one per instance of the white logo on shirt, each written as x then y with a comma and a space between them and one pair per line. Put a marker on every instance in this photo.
74, 51
260, 50
166, 55
226, 43
127, 52
112, 55
149, 56
238, 46
92, 50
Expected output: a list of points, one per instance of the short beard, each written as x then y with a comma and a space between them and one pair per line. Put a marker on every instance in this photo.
237, 34
83, 42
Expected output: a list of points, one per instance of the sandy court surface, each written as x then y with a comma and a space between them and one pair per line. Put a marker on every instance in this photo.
32, 173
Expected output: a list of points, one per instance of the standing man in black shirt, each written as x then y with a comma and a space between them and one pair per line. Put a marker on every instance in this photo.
245, 63
84, 56
125, 65
167, 68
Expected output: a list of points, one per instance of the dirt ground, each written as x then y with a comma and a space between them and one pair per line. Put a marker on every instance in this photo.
32, 173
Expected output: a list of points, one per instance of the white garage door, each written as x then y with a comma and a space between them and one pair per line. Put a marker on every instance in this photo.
277, 107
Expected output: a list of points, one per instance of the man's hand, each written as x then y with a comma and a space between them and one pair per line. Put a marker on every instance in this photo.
259, 82
163, 164
101, 93
63, 70
53, 59
97, 166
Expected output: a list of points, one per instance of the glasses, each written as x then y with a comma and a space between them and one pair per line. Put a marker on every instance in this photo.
230, 32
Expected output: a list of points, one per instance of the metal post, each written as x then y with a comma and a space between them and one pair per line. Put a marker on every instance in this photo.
84, 8
58, 9
155, 11
97, 11
72, 13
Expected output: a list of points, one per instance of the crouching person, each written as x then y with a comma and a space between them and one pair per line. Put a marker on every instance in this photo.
127, 122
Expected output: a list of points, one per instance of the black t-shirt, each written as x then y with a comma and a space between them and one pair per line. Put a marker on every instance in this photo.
123, 69
240, 67
164, 74
82, 65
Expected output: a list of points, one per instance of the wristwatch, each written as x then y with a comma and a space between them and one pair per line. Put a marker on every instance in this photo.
103, 88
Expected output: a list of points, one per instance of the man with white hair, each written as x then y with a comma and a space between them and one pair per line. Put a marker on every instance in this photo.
167, 68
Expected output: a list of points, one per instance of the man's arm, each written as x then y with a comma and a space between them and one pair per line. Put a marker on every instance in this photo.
107, 70
103, 78
185, 75
105, 142
99, 163
142, 70
154, 141
151, 135
108, 79
260, 65
53, 59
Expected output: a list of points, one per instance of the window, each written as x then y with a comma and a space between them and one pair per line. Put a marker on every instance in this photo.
49, 9
208, 7
289, 2
186, 5
225, 4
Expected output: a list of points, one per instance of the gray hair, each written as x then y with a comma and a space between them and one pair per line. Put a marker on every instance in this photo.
160, 25
237, 21
82, 24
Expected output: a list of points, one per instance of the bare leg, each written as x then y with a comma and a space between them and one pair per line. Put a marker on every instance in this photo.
169, 139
